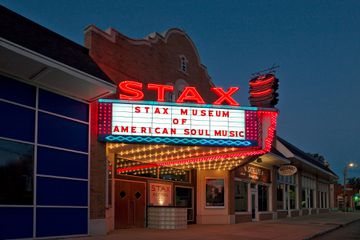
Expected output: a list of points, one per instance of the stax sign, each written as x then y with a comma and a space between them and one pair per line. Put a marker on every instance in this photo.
133, 91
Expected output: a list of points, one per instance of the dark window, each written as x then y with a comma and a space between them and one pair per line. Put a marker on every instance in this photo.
184, 64
262, 198
62, 163
292, 195
16, 91
16, 173
61, 221
280, 197
16, 222
311, 199
303, 198
60, 132
183, 197
61, 192
55, 103
241, 196
17, 122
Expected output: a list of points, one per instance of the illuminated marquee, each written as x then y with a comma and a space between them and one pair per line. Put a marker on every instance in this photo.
187, 124
133, 91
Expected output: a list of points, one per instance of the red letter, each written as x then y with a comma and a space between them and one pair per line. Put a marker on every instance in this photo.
161, 89
190, 94
133, 89
225, 96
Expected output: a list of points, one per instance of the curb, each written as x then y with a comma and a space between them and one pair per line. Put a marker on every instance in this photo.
331, 229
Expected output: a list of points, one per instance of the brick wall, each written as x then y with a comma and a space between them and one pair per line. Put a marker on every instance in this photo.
324, 210
295, 213
265, 216
97, 170
239, 218
305, 212
152, 60
282, 214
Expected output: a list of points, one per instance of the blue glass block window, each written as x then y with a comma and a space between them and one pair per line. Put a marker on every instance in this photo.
61, 221
64, 133
16, 222
16, 173
17, 122
16, 91
62, 163
61, 192
55, 103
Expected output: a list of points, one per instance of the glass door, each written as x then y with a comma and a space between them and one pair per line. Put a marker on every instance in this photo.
184, 198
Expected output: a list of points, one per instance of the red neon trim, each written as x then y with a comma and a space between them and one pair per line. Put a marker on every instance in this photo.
262, 93
259, 82
132, 89
161, 89
268, 143
190, 94
225, 96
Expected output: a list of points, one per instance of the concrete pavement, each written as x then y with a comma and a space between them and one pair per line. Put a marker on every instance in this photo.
306, 227
349, 232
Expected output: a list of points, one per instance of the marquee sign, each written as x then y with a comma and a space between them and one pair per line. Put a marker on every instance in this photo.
189, 124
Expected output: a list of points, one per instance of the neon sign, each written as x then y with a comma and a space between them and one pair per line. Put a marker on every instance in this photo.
184, 124
133, 91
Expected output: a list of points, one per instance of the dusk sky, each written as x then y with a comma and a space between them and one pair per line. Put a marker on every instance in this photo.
316, 44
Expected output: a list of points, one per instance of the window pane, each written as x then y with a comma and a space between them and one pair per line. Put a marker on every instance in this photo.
16, 222
25, 94
241, 196
183, 197
64, 133
62, 163
61, 221
280, 197
17, 122
262, 198
55, 103
61, 192
292, 195
311, 199
16, 173
303, 198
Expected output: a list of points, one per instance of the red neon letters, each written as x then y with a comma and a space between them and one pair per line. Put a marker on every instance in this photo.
132, 90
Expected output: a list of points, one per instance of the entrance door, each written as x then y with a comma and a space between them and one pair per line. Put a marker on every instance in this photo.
129, 204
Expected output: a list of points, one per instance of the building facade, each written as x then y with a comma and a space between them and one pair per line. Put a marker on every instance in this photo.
57, 96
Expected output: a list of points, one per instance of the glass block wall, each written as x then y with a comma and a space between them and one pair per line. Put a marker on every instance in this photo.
44, 146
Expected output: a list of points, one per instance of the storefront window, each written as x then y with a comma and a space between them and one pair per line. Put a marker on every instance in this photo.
311, 199
174, 174
280, 197
165, 173
292, 196
241, 196
262, 198
303, 199
16, 173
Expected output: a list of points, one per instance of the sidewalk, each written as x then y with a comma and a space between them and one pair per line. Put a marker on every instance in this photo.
298, 228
